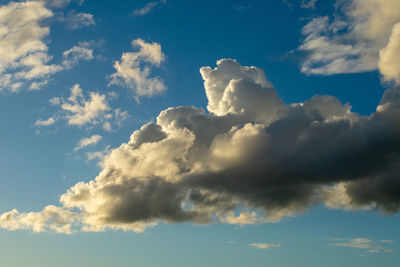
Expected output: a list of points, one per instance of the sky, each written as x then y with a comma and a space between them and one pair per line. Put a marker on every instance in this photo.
199, 133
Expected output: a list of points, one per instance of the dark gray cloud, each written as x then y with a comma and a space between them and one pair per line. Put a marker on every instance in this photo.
250, 159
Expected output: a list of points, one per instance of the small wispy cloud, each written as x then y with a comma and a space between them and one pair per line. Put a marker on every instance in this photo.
148, 8
46, 122
264, 245
308, 4
370, 246
84, 142
76, 20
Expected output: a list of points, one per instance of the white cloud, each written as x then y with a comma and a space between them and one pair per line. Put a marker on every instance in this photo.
24, 58
84, 142
55, 101
148, 8
71, 57
79, 20
47, 122
366, 244
51, 218
389, 57
23, 53
351, 43
250, 159
80, 110
134, 68
264, 245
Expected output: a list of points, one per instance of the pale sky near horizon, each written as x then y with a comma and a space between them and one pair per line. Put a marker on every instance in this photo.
199, 133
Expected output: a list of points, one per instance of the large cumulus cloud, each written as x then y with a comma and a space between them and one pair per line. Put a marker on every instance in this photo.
249, 159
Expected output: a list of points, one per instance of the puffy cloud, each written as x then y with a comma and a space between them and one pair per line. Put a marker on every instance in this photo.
134, 68
389, 57
79, 20
264, 245
24, 58
23, 54
47, 122
51, 218
82, 51
148, 8
250, 159
82, 111
354, 42
84, 142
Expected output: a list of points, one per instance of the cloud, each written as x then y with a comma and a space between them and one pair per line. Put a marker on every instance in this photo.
79, 20
47, 122
55, 3
362, 39
71, 57
250, 159
134, 68
264, 245
308, 4
366, 244
389, 57
79, 110
24, 58
148, 8
23, 53
51, 218
84, 142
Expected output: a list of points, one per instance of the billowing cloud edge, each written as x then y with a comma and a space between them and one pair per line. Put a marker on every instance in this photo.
250, 159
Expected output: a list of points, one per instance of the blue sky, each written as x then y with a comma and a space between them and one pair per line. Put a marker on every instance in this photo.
120, 146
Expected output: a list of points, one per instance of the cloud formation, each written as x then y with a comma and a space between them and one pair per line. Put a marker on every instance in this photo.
250, 159
82, 51
148, 8
264, 245
84, 142
24, 58
364, 38
366, 244
81, 111
308, 4
134, 68
79, 20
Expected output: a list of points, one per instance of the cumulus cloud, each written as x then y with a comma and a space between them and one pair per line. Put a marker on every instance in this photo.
23, 53
134, 68
148, 8
24, 58
84, 142
51, 218
389, 57
363, 39
80, 110
82, 51
250, 159
76, 20
264, 245
46, 122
